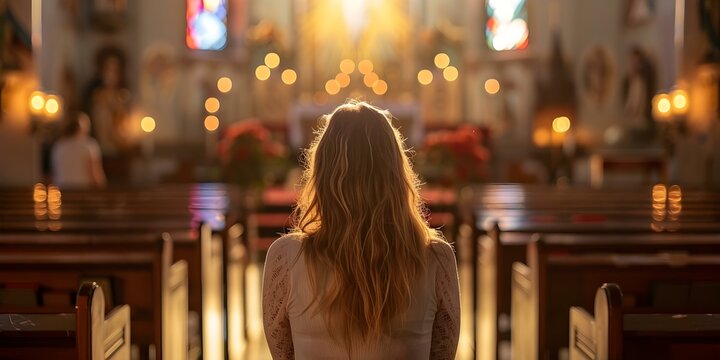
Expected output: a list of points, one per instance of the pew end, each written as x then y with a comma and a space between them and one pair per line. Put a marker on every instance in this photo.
598, 336
613, 334
524, 320
86, 334
99, 336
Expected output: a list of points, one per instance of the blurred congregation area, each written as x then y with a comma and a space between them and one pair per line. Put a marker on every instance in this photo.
151, 151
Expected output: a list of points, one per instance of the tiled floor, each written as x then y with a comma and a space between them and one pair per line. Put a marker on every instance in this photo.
257, 347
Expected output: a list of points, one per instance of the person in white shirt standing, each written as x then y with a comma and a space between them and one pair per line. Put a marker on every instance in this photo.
76, 158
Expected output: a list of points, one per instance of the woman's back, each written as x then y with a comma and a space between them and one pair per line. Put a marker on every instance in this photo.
363, 277
428, 328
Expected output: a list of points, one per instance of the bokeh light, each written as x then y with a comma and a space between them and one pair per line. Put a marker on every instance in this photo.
224, 84
343, 79
262, 72
212, 105
380, 87
450, 73
272, 60
211, 123
492, 86
442, 60
347, 66
37, 102
365, 67
370, 79
288, 76
561, 124
147, 124
52, 105
679, 101
425, 77
332, 87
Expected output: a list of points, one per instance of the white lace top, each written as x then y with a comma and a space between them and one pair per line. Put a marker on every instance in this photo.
430, 329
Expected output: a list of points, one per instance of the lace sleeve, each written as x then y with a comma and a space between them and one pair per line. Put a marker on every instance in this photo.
276, 290
446, 329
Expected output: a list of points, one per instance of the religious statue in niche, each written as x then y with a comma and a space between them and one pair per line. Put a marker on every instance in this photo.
638, 88
598, 74
109, 105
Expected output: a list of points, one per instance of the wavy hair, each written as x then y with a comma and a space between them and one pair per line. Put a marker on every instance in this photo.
365, 239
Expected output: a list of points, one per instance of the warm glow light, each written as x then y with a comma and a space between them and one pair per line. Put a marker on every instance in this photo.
332, 87
52, 105
147, 124
661, 107
211, 123
679, 101
37, 102
39, 193
262, 72
370, 79
561, 124
365, 67
659, 193
343, 79
425, 77
492, 86
380, 87
442, 60
212, 105
675, 193
224, 84
450, 73
272, 60
347, 66
541, 137
289, 76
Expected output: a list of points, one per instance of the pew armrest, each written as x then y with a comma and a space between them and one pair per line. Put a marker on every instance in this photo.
175, 312
524, 310
117, 334
582, 335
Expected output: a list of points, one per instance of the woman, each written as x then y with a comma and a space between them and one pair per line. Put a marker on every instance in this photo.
76, 158
362, 276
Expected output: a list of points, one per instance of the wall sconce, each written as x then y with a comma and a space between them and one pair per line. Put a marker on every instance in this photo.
667, 107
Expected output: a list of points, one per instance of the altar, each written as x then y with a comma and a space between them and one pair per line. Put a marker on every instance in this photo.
303, 119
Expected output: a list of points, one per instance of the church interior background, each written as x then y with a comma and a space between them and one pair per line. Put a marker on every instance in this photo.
551, 85
208, 99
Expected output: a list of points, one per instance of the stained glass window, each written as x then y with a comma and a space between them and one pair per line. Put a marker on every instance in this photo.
506, 26
206, 24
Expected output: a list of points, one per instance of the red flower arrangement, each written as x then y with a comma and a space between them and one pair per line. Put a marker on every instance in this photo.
452, 157
249, 155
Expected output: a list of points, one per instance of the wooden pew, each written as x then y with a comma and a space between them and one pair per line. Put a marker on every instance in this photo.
141, 209
613, 334
497, 249
565, 271
86, 334
137, 268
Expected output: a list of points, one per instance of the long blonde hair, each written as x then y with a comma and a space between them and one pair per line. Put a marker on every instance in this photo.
365, 237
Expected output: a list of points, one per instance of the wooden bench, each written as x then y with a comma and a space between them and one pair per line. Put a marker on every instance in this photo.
565, 271
86, 334
137, 269
506, 215
180, 209
612, 333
